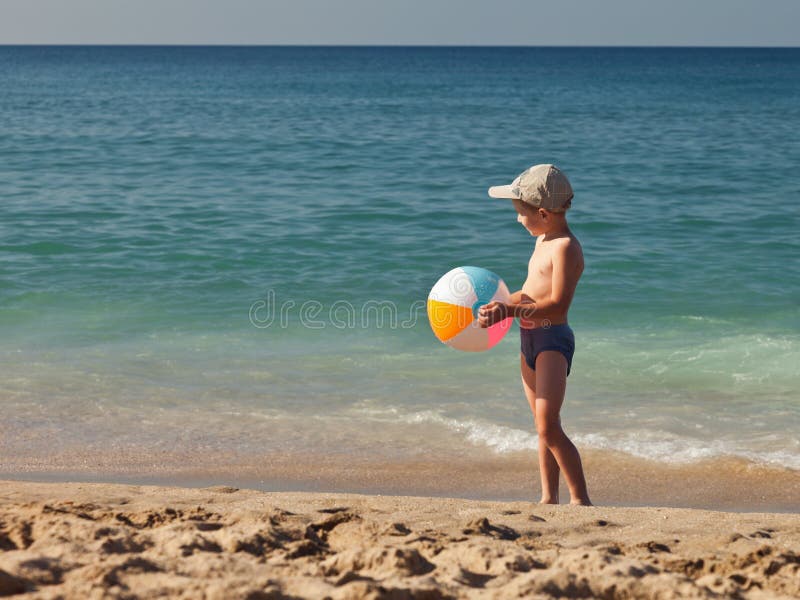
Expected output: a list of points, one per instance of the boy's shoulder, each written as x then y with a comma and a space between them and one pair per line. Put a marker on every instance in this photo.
571, 246
563, 241
565, 247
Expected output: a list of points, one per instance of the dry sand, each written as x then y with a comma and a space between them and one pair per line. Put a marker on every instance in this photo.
117, 541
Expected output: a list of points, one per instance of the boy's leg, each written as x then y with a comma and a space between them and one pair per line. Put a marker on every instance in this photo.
551, 383
548, 467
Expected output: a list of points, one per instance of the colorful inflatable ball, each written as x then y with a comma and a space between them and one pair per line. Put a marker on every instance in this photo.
453, 308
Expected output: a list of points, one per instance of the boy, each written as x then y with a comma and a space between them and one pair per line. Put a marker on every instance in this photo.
541, 196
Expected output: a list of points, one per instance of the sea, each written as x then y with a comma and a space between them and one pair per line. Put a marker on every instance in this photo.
214, 263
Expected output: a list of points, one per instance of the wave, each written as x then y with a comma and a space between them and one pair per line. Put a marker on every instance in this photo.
656, 445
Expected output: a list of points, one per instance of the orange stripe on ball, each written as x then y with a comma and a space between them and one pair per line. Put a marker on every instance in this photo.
448, 320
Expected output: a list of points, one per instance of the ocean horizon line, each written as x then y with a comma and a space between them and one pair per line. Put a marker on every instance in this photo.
421, 46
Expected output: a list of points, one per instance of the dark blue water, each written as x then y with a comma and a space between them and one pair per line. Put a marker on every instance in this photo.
151, 197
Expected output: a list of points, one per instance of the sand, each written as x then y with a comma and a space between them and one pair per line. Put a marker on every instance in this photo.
76, 540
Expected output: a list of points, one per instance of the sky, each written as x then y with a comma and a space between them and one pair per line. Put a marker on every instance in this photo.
400, 22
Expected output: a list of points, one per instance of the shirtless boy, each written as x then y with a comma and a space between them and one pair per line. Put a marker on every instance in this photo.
541, 196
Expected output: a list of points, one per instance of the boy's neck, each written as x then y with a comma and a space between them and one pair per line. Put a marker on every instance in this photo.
558, 229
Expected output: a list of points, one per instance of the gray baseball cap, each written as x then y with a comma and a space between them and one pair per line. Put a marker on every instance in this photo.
542, 186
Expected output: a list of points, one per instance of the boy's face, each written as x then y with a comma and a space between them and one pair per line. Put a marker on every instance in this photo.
529, 217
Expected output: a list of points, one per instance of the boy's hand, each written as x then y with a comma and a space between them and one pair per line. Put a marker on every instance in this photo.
492, 313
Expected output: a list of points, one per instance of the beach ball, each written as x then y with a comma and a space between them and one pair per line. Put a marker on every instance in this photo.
453, 308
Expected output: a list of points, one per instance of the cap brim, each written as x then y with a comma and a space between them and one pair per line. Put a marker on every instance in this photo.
502, 191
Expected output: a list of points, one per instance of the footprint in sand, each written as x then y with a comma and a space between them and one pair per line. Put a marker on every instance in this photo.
10, 585
482, 525
537, 519
654, 547
335, 509
762, 533
398, 529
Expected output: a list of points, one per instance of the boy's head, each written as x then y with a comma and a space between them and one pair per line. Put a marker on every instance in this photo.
541, 195
539, 220
540, 186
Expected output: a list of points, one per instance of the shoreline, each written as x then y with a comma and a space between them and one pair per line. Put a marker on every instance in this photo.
614, 479
79, 540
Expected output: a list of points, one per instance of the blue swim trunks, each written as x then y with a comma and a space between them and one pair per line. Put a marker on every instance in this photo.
555, 337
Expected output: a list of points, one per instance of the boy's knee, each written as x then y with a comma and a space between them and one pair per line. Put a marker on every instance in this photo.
549, 431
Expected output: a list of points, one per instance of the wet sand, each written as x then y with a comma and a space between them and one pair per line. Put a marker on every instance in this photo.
614, 478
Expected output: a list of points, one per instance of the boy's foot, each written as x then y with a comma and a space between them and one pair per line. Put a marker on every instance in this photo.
586, 502
548, 501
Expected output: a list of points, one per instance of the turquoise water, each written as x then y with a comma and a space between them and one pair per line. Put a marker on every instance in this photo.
157, 205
